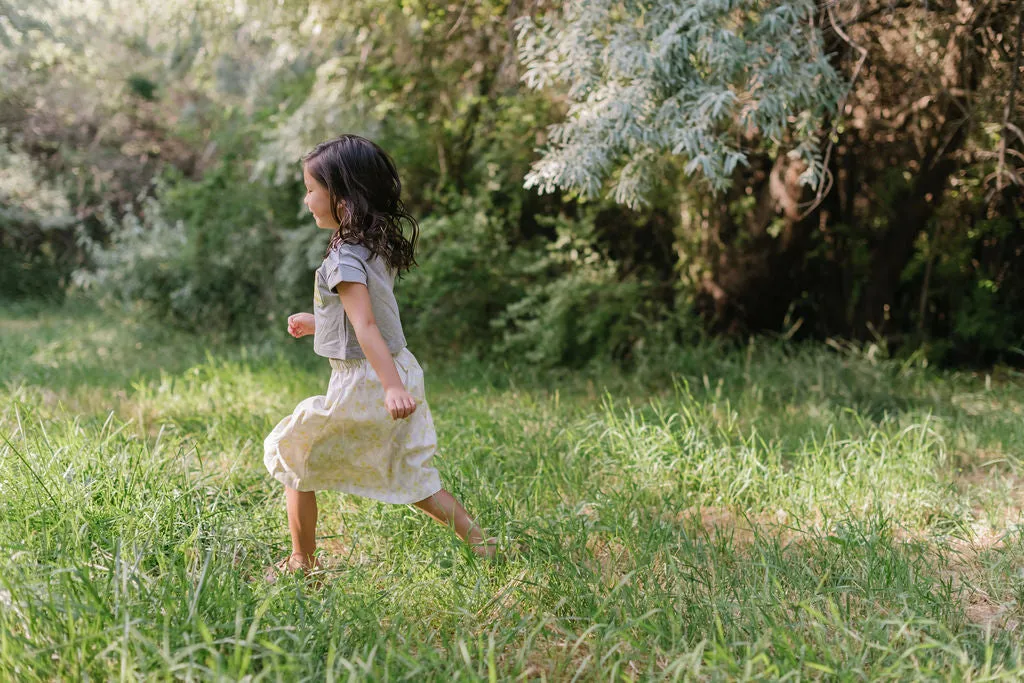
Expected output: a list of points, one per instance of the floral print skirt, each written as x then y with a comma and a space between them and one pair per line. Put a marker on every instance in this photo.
347, 441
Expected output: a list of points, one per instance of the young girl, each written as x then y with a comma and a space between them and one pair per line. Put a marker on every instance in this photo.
372, 434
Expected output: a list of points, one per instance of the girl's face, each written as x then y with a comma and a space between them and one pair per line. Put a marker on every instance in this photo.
318, 201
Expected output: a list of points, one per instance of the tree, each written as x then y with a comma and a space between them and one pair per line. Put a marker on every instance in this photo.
701, 80
915, 235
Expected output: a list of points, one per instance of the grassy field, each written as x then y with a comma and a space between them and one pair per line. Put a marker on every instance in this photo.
764, 513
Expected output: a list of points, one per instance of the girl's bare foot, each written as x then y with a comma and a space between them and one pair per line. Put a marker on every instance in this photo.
488, 549
444, 508
481, 547
296, 562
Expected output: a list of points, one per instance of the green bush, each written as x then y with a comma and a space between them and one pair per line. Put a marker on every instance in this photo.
974, 295
484, 288
204, 255
468, 274
36, 230
577, 306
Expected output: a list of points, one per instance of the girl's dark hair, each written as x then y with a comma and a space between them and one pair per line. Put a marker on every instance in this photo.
359, 173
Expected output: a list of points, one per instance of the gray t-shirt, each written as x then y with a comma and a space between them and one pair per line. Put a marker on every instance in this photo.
334, 336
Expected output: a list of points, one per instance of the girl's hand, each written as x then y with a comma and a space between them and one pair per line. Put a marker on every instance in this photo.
400, 403
301, 324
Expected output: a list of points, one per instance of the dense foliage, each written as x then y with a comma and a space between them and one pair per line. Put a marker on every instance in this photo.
594, 179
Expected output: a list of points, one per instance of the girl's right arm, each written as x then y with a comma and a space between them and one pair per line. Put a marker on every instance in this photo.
301, 324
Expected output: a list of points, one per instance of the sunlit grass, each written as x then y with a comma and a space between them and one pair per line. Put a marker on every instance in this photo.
759, 513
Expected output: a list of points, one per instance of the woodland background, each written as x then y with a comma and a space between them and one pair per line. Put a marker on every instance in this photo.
601, 180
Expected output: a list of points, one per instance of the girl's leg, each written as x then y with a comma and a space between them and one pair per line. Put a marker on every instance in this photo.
443, 507
302, 514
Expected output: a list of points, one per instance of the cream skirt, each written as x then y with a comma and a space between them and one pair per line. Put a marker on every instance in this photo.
347, 440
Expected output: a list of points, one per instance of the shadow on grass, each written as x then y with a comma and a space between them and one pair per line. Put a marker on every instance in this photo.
64, 347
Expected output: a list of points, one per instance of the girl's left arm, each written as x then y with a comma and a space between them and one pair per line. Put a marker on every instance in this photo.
356, 300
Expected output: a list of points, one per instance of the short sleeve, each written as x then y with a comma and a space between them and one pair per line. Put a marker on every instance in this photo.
345, 265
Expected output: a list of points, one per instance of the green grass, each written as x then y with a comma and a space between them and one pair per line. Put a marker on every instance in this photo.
763, 513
